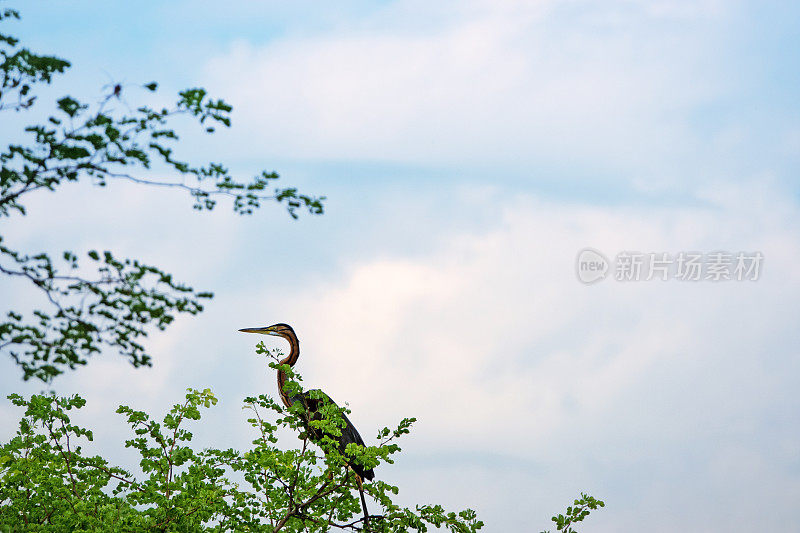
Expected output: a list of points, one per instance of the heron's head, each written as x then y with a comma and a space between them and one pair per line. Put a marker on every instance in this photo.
278, 330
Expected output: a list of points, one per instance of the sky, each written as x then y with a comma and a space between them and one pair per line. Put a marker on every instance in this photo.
469, 151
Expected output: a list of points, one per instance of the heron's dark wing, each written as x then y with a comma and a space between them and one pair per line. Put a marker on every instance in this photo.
349, 431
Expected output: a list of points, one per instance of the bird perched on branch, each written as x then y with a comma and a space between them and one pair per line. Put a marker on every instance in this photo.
312, 404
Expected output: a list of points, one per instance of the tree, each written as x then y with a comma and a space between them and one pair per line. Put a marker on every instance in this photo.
49, 484
576, 512
116, 306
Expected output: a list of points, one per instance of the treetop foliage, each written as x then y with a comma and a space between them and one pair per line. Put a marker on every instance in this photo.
50, 484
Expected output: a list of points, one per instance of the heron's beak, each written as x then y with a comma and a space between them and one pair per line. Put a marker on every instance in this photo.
266, 331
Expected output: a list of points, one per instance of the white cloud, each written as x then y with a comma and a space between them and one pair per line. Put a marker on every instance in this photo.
490, 83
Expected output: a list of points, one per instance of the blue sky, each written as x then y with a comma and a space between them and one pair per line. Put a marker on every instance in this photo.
469, 150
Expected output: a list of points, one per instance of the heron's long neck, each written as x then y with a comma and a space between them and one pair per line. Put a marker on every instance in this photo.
291, 359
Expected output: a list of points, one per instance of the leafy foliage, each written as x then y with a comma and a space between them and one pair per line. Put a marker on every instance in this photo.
576, 513
47, 482
21, 69
109, 301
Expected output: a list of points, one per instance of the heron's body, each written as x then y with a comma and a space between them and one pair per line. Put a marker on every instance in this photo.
349, 434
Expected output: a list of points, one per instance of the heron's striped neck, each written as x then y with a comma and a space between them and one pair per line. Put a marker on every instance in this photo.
291, 359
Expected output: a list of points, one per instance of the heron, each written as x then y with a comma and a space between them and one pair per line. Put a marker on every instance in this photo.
349, 433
